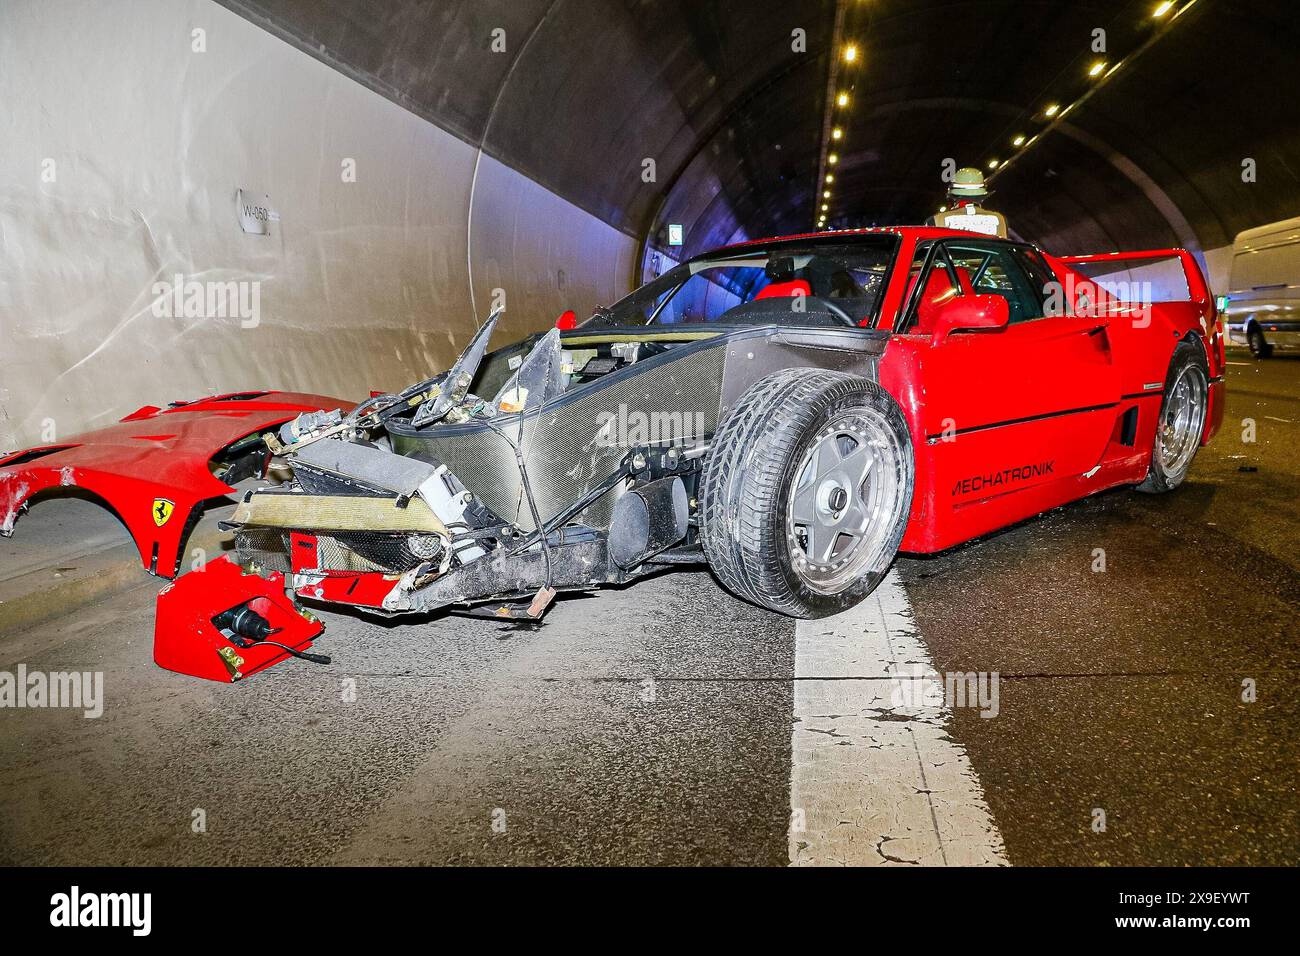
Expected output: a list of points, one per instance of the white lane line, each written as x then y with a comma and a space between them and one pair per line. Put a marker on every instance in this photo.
875, 778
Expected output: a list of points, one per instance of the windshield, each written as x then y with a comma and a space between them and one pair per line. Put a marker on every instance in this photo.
817, 284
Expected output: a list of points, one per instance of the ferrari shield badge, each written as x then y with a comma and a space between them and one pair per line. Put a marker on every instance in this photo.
162, 511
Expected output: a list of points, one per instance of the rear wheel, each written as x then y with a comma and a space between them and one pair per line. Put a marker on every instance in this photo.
1259, 346
806, 492
1182, 419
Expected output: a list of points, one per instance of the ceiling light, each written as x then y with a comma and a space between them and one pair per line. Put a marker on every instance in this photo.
826, 194
850, 54
842, 100
837, 133
832, 159
1161, 10
993, 164
1018, 141
1097, 68
825, 207
830, 177
1052, 110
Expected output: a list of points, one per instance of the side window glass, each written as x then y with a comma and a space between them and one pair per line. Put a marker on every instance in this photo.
992, 270
936, 286
1042, 279
918, 263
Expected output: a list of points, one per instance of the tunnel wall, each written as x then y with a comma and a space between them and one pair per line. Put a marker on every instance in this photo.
581, 94
124, 150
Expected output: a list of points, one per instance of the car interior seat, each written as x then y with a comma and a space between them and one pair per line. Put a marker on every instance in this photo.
780, 274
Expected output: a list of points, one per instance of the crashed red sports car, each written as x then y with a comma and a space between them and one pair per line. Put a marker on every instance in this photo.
790, 412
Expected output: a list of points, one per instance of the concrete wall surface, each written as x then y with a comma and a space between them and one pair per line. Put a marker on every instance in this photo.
129, 128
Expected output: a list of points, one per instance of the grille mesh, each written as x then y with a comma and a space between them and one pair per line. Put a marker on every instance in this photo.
267, 548
382, 552
362, 551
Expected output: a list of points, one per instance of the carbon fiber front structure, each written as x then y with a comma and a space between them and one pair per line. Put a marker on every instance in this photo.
575, 442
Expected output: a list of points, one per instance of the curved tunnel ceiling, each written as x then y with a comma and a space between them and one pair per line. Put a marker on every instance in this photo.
736, 120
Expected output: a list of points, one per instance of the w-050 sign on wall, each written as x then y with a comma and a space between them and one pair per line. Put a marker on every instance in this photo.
255, 213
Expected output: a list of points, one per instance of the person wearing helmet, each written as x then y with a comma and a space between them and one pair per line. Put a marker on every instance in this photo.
964, 212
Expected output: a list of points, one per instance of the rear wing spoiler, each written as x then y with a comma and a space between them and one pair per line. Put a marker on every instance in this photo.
1198, 289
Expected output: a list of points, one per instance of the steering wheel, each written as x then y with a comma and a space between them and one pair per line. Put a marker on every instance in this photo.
832, 308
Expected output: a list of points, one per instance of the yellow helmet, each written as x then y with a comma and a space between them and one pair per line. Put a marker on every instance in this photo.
968, 181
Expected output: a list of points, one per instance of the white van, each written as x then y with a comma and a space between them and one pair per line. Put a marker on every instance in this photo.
1262, 307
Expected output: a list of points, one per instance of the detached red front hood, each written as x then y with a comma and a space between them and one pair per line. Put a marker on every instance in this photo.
151, 468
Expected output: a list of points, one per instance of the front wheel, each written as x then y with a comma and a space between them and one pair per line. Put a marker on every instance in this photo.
1182, 419
806, 492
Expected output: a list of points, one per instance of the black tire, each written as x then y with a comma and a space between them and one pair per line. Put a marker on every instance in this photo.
1188, 359
1259, 346
756, 456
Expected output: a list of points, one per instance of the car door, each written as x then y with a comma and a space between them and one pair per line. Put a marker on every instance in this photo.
1011, 415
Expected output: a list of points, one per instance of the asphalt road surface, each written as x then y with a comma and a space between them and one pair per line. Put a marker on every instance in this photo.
671, 723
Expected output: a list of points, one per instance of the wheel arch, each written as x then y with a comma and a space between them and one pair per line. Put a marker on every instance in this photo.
129, 500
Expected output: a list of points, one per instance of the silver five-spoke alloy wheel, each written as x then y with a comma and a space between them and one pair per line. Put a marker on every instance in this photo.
842, 501
1182, 420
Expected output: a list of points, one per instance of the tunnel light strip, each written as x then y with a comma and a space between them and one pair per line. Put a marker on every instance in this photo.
835, 99
1057, 113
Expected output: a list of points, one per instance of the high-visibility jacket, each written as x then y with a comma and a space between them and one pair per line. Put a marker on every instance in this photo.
972, 218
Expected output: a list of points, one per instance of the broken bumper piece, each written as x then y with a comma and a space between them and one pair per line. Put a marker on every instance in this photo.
221, 624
